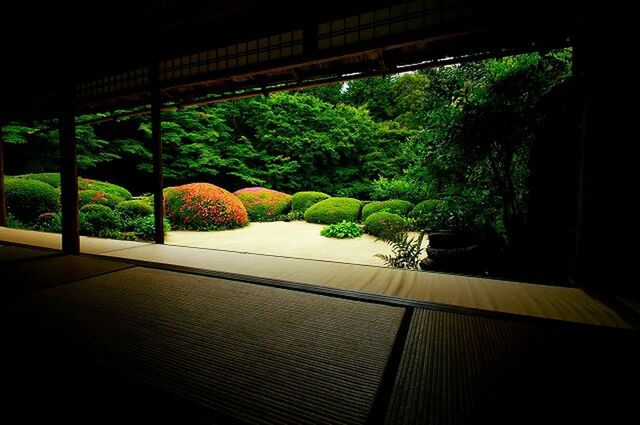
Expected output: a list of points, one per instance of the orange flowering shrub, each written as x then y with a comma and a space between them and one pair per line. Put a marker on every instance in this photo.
264, 204
203, 206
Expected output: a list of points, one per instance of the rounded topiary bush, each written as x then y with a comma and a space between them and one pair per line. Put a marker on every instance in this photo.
134, 209
27, 199
86, 197
384, 224
104, 187
131, 211
203, 206
334, 210
395, 206
302, 201
427, 213
53, 180
99, 220
264, 204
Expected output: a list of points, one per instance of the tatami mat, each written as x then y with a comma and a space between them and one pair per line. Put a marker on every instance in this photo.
469, 369
257, 354
560, 303
570, 304
48, 272
10, 254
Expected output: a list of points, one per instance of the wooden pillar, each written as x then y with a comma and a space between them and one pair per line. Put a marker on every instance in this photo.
68, 174
156, 147
3, 206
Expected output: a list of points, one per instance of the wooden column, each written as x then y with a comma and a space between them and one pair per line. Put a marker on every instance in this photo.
156, 147
3, 206
68, 174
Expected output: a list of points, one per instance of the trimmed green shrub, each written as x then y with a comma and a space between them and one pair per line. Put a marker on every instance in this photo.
27, 199
384, 224
302, 201
144, 227
203, 206
396, 206
342, 230
104, 187
49, 222
99, 220
86, 197
53, 180
264, 204
131, 210
334, 210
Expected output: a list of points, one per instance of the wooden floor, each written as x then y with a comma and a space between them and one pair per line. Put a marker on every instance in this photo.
102, 341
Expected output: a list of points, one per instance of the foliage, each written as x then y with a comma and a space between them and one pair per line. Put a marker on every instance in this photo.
293, 216
14, 223
144, 227
104, 187
342, 230
27, 199
203, 206
49, 222
52, 179
99, 220
406, 251
396, 206
384, 223
462, 133
264, 204
448, 214
301, 201
86, 197
397, 188
132, 210
334, 210
427, 214
374, 93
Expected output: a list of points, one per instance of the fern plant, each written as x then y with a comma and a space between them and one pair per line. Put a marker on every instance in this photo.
405, 250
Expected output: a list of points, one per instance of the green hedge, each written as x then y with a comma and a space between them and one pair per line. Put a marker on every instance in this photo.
302, 201
428, 213
87, 197
334, 210
384, 224
395, 206
27, 199
99, 220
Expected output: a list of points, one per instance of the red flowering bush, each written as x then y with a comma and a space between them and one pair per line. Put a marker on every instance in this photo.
264, 204
203, 206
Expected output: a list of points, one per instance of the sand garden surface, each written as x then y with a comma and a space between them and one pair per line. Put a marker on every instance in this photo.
296, 239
